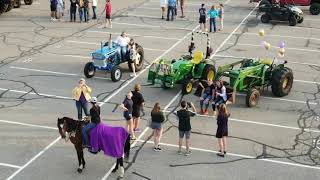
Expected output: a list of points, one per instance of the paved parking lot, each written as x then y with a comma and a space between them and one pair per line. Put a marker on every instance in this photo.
41, 62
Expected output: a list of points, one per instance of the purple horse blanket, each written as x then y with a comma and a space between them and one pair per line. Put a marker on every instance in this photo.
109, 139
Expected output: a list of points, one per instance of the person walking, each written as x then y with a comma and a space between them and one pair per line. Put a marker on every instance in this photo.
202, 18
213, 15
108, 9
157, 118
82, 94
222, 129
220, 96
221, 16
171, 8
163, 5
73, 10
94, 8
94, 120
137, 107
127, 113
53, 8
184, 125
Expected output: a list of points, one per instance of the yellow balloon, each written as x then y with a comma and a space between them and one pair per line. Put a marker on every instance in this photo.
267, 45
261, 32
281, 52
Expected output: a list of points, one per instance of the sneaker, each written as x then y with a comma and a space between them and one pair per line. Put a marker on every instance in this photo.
156, 149
180, 152
121, 172
206, 112
137, 130
220, 155
159, 148
133, 138
188, 153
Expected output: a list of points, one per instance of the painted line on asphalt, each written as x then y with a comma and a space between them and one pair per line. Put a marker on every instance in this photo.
282, 36
241, 156
27, 124
152, 26
55, 72
141, 135
136, 35
34, 158
98, 44
286, 26
289, 61
275, 47
32, 93
10, 165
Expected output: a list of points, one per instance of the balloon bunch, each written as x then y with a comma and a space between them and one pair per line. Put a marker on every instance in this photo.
267, 45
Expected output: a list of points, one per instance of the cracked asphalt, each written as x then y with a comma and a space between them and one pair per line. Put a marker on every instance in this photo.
41, 62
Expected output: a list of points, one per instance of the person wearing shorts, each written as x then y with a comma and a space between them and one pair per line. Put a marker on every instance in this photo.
53, 8
182, 8
127, 113
184, 125
157, 118
163, 5
202, 17
138, 103
108, 9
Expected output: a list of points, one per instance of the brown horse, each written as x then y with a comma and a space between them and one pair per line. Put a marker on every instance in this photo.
68, 126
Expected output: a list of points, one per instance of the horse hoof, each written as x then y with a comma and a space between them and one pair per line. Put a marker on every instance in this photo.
79, 170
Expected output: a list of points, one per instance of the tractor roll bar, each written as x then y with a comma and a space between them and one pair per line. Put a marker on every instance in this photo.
192, 46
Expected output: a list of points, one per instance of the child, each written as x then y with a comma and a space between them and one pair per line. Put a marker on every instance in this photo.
202, 18
108, 10
221, 16
213, 14
163, 4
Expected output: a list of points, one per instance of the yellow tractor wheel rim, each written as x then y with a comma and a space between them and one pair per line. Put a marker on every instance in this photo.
210, 75
285, 83
189, 87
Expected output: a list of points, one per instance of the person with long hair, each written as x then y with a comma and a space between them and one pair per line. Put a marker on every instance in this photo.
220, 96
213, 15
82, 94
127, 108
137, 107
222, 129
221, 16
157, 118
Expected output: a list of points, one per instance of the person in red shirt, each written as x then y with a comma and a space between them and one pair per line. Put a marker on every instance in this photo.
108, 10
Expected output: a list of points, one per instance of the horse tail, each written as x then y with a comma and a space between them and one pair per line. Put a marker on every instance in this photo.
127, 147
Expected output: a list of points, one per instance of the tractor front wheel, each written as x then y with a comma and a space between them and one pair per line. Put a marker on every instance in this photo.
282, 80
252, 97
139, 61
209, 73
187, 87
315, 8
300, 20
116, 74
89, 70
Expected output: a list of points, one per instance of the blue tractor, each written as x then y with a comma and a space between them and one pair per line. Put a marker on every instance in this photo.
108, 58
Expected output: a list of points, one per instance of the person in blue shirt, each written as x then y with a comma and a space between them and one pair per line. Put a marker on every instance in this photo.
171, 7
213, 15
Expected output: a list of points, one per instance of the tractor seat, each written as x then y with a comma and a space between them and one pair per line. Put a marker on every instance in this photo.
198, 56
266, 61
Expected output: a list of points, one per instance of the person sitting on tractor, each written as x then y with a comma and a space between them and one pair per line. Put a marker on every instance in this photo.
220, 96
123, 41
208, 92
132, 52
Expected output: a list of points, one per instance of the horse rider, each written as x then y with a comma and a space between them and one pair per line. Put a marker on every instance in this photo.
94, 120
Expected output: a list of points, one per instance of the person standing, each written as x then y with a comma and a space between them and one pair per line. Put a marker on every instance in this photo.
132, 59
163, 5
60, 9
108, 9
86, 10
127, 114
53, 8
202, 18
213, 15
137, 107
157, 118
94, 120
182, 8
184, 125
82, 94
171, 8
220, 96
73, 10
222, 129
221, 16
94, 7
81, 10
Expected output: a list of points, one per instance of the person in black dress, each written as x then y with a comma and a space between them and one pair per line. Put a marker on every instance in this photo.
138, 103
222, 130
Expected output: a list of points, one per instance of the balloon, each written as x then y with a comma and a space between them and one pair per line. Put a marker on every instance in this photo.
281, 44
281, 52
266, 45
261, 32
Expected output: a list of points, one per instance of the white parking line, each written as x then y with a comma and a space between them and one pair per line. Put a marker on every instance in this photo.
135, 35
241, 156
27, 124
152, 26
289, 61
32, 93
34, 158
98, 44
282, 36
10, 165
287, 48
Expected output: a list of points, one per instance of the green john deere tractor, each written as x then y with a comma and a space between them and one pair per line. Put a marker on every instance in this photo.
185, 70
253, 75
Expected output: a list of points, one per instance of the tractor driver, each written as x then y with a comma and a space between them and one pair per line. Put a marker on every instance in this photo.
123, 41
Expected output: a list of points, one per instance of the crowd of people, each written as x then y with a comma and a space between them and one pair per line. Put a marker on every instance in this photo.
132, 106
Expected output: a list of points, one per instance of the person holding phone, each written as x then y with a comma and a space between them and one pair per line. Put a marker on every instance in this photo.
82, 94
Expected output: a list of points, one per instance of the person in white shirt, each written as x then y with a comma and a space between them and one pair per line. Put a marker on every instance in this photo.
220, 96
94, 6
123, 41
60, 9
163, 5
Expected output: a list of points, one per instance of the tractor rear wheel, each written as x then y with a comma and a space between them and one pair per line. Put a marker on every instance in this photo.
17, 3
315, 8
282, 80
209, 72
187, 87
116, 74
89, 70
252, 97
28, 2
139, 62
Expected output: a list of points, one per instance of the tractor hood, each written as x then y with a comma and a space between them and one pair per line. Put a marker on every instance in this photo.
104, 52
181, 63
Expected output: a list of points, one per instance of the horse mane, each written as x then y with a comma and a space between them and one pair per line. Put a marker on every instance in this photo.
71, 123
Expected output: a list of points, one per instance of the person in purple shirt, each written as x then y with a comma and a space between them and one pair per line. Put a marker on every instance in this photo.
171, 7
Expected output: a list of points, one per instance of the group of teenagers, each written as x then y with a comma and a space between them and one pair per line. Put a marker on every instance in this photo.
133, 104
